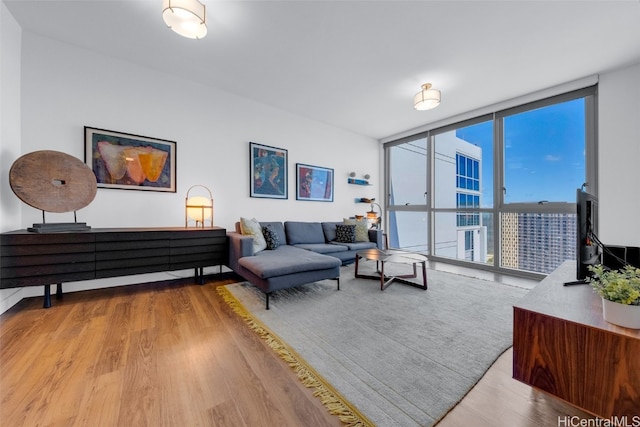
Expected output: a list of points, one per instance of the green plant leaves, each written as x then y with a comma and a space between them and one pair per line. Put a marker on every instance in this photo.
621, 286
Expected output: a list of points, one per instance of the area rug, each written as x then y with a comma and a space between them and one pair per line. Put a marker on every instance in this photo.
399, 357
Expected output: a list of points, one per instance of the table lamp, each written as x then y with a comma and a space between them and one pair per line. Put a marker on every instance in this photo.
199, 208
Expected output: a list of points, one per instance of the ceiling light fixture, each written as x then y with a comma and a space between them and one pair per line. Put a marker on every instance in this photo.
185, 17
427, 98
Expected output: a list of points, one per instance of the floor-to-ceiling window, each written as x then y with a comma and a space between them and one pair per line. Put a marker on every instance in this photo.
497, 190
408, 225
463, 191
545, 152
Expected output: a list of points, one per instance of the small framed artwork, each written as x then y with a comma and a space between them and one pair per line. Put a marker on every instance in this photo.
314, 183
268, 168
130, 162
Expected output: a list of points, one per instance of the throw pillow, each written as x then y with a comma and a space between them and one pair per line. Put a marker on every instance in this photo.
345, 233
362, 230
270, 237
251, 227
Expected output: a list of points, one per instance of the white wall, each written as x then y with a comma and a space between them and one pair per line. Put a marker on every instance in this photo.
65, 88
619, 157
10, 206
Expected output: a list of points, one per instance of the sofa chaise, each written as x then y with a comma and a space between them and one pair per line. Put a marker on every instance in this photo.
306, 252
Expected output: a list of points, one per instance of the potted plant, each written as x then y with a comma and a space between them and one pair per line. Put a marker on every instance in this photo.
620, 292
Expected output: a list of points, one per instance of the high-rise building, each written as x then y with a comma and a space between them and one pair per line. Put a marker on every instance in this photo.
537, 242
510, 242
545, 241
458, 166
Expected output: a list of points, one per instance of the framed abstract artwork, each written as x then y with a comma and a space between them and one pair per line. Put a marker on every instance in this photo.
130, 162
314, 183
268, 168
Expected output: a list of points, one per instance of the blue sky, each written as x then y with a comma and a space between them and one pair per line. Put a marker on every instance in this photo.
544, 153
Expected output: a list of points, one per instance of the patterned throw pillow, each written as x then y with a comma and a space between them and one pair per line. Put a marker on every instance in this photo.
270, 237
251, 227
345, 233
362, 230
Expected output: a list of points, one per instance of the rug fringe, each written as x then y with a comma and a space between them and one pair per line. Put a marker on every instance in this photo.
330, 398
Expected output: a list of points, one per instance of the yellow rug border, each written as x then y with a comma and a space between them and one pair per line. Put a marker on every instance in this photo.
335, 403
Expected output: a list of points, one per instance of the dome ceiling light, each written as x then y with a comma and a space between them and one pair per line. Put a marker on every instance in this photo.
427, 98
185, 17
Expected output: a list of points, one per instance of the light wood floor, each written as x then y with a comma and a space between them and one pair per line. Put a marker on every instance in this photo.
173, 354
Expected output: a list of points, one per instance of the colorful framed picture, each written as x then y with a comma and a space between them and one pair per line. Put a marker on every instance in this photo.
268, 168
314, 183
130, 162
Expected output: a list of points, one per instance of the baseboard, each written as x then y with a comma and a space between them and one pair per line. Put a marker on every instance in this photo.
9, 298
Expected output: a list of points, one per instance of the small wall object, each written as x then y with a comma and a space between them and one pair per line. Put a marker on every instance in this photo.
53, 182
353, 180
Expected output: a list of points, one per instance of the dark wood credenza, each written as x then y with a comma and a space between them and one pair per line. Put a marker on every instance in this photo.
563, 346
33, 259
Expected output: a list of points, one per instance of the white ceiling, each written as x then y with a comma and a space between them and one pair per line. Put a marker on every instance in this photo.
357, 64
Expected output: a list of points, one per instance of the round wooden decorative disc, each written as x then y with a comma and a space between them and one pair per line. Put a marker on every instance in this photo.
53, 181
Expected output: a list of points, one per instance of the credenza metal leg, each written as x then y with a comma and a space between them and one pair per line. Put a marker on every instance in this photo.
59, 291
47, 296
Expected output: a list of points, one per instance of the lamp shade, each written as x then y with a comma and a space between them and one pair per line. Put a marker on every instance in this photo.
427, 98
185, 17
199, 208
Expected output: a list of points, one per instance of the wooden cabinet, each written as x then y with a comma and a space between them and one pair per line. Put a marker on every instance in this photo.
124, 252
32, 259
563, 346
198, 250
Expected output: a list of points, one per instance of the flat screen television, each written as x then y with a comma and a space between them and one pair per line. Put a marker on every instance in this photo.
588, 250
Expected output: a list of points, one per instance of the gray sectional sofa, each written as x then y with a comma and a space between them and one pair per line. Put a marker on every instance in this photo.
307, 252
